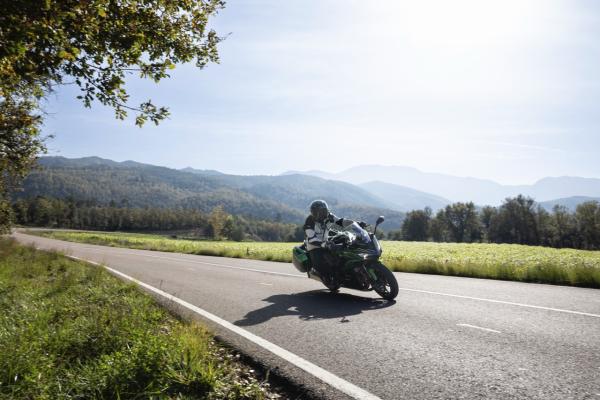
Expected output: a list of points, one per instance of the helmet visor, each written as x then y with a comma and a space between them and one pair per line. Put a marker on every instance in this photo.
320, 213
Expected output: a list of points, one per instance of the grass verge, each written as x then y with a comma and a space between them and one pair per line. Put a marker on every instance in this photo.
69, 330
475, 260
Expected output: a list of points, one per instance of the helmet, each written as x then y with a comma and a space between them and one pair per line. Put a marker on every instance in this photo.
319, 210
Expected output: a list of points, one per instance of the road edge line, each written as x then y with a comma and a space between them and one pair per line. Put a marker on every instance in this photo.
314, 370
559, 310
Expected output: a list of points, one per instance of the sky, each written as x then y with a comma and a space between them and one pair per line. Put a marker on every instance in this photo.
505, 90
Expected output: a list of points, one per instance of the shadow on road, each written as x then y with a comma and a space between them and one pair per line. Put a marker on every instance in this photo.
312, 305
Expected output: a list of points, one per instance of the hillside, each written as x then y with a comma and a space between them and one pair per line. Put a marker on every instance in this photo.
455, 188
570, 202
404, 198
141, 185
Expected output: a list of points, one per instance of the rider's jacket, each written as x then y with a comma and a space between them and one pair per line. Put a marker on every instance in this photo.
316, 232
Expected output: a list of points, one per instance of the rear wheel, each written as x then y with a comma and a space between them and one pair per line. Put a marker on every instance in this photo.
385, 283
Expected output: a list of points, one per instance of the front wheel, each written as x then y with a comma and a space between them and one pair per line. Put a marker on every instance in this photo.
383, 281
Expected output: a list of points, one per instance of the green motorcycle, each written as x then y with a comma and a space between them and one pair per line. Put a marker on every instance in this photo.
356, 265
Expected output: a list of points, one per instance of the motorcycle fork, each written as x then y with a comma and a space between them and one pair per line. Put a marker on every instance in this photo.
364, 274
370, 272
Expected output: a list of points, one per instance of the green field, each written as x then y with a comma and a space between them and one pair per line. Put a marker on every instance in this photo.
478, 260
72, 331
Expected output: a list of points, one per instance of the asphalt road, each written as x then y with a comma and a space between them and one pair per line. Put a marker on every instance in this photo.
444, 337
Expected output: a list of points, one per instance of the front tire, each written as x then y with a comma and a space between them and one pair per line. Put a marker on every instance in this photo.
386, 284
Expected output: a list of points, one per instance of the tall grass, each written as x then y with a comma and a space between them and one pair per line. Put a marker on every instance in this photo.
69, 330
476, 260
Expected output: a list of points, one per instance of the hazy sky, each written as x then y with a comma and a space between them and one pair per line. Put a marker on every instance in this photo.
506, 90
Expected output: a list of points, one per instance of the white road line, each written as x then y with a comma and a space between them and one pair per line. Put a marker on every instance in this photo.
401, 288
505, 302
479, 327
320, 373
405, 289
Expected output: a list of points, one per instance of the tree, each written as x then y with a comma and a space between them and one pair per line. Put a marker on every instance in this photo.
95, 45
217, 220
543, 221
233, 229
461, 222
564, 231
587, 217
297, 235
415, 226
438, 229
485, 217
515, 222
19, 145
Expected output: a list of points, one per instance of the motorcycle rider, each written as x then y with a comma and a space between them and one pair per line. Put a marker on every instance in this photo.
316, 228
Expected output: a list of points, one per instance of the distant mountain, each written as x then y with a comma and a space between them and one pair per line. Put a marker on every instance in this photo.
202, 171
404, 198
454, 188
560, 187
284, 198
570, 202
312, 172
58, 161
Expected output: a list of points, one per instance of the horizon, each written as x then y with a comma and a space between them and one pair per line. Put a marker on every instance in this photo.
504, 91
308, 172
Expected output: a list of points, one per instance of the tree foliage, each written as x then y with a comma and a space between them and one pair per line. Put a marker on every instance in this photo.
19, 145
517, 220
587, 218
95, 45
416, 225
461, 222
82, 214
218, 219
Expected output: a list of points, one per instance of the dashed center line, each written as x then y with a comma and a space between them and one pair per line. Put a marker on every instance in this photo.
479, 327
187, 260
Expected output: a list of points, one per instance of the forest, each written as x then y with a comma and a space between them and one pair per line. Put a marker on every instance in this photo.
71, 214
518, 220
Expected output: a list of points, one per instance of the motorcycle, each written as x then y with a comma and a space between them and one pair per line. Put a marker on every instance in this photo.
357, 266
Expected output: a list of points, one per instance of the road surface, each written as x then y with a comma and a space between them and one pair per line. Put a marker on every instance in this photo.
444, 337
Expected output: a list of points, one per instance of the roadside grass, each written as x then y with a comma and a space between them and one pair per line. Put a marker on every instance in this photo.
476, 260
69, 330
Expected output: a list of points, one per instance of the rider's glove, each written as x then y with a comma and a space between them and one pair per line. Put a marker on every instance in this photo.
332, 246
363, 224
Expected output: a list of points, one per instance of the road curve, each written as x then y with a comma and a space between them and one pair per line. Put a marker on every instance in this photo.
444, 338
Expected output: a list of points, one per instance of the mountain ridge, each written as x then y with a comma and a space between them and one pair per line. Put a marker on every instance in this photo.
145, 185
455, 188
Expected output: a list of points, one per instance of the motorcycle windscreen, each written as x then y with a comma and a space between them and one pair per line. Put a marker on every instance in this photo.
362, 236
